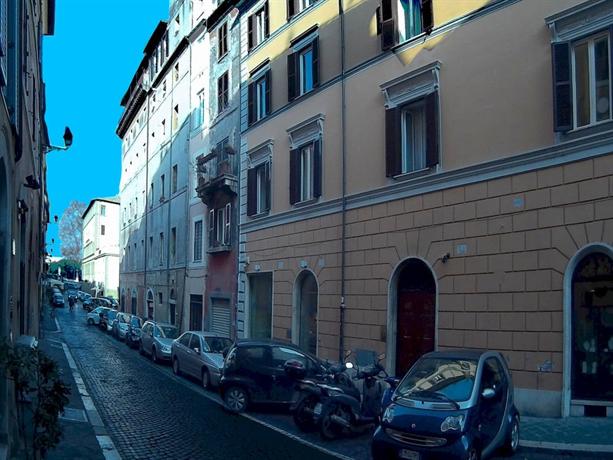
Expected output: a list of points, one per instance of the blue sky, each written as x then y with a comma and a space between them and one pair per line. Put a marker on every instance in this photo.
87, 67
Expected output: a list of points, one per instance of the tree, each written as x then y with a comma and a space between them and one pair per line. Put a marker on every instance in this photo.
67, 268
71, 230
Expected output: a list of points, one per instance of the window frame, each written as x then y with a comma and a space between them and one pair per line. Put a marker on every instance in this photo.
223, 92
197, 241
222, 40
405, 110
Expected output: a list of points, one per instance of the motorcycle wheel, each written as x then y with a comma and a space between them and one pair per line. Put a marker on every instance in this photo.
303, 415
328, 428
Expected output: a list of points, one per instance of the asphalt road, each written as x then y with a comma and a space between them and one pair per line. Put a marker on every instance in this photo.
152, 414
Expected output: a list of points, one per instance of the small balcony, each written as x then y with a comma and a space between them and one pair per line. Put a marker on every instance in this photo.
217, 176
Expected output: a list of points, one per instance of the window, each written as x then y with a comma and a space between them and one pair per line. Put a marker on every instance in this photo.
411, 18
305, 172
175, 173
134, 256
102, 229
258, 189
175, 118
411, 135
102, 210
161, 253
222, 40
257, 26
219, 226
297, 6
259, 98
162, 187
173, 245
176, 72
163, 127
199, 112
152, 195
136, 207
303, 70
198, 241
222, 92
150, 250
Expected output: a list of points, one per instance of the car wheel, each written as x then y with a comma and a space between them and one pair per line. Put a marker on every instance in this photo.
329, 428
304, 414
236, 399
175, 366
154, 356
206, 379
90, 321
511, 442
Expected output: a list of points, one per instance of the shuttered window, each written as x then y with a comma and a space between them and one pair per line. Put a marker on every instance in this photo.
297, 6
303, 70
259, 98
404, 20
198, 241
258, 28
305, 172
220, 221
258, 189
222, 93
412, 136
222, 40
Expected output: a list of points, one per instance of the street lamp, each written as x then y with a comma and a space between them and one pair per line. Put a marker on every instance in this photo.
67, 142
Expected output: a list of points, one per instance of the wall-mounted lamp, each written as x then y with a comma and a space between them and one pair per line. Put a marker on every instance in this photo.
445, 258
67, 142
32, 182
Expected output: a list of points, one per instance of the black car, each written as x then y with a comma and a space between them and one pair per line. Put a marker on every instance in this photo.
255, 372
452, 405
134, 329
106, 320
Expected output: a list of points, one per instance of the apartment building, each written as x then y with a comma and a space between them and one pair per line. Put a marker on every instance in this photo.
154, 129
420, 175
24, 205
100, 246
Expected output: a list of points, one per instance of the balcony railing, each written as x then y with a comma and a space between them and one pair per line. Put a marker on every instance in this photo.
217, 173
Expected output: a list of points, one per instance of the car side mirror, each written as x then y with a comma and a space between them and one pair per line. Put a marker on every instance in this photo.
488, 393
197, 350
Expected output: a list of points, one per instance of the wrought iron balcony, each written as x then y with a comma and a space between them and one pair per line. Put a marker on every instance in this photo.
217, 174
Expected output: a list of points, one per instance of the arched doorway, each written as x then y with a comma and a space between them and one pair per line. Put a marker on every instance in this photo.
413, 313
592, 327
134, 302
172, 303
150, 309
306, 296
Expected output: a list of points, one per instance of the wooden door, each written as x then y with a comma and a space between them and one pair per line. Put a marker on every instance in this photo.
415, 328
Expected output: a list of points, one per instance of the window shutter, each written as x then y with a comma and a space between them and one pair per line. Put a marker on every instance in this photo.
268, 98
250, 32
266, 21
427, 16
212, 239
388, 26
267, 190
294, 176
378, 18
291, 77
562, 89
290, 9
251, 91
227, 222
393, 163
432, 134
252, 190
315, 46
317, 178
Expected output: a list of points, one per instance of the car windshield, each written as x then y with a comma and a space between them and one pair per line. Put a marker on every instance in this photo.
136, 322
111, 314
217, 344
170, 332
439, 379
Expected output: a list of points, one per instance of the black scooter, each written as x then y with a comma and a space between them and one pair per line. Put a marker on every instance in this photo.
347, 414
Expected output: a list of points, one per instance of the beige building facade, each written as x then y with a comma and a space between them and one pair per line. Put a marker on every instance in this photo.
422, 189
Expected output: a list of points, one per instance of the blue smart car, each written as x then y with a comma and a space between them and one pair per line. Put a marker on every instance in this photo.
450, 405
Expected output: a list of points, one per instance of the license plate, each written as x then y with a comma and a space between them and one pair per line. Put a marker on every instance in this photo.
408, 454
317, 410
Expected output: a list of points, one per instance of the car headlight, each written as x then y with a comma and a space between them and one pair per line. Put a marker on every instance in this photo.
388, 415
453, 423
165, 349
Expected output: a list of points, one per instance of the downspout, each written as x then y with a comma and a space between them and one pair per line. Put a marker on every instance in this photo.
341, 342
147, 205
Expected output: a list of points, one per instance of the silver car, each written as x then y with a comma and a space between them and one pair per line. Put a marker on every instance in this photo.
120, 325
156, 340
93, 317
200, 355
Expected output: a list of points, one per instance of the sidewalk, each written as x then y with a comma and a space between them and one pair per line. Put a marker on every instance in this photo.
79, 438
572, 434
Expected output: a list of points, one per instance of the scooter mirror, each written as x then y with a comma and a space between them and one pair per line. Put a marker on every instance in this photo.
381, 357
349, 365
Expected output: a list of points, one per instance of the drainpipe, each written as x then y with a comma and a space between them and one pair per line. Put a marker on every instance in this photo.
145, 215
341, 342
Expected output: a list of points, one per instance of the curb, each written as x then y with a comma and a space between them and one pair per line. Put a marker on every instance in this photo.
568, 447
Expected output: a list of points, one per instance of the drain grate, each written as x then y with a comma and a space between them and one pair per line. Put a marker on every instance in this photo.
74, 415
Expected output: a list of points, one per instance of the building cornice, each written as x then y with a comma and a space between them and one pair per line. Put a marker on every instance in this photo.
555, 155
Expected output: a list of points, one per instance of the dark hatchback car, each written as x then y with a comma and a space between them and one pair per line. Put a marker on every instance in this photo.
450, 405
133, 333
254, 373
106, 320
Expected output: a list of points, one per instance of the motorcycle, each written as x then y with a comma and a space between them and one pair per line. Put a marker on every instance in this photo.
345, 414
307, 409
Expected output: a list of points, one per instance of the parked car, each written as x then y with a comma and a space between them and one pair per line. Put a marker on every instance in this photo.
134, 331
87, 302
451, 404
57, 300
106, 320
93, 317
114, 303
156, 340
254, 373
101, 302
200, 355
120, 324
